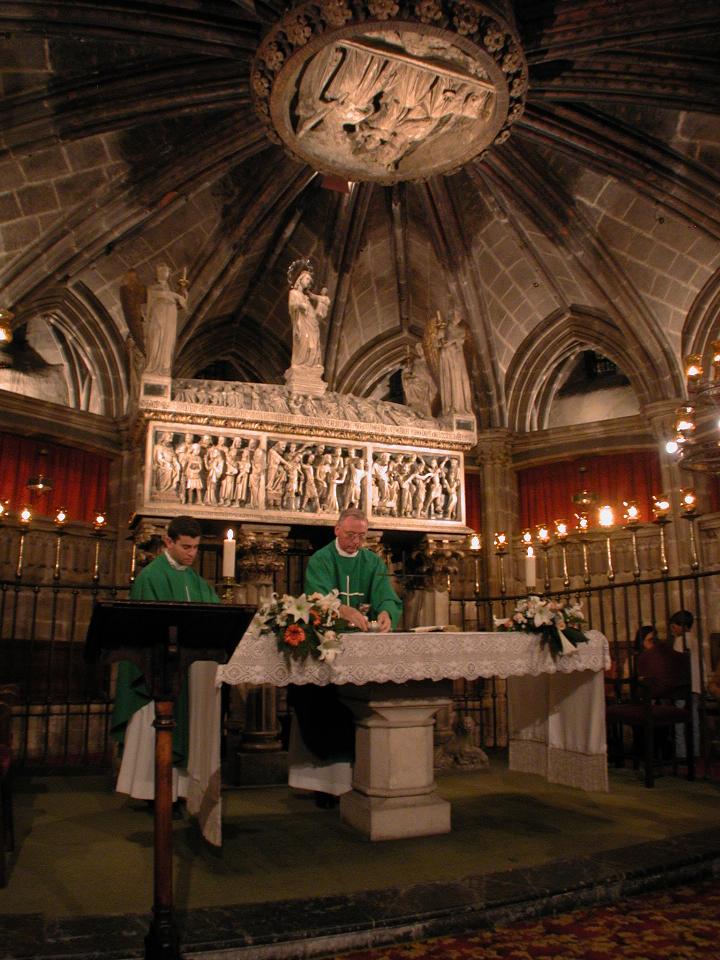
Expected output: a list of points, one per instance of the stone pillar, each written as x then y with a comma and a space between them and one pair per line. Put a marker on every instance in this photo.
499, 507
258, 758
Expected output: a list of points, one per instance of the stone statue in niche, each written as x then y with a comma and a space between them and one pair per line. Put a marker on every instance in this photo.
161, 313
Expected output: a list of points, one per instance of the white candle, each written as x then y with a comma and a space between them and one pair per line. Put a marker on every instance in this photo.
530, 568
347, 591
228, 564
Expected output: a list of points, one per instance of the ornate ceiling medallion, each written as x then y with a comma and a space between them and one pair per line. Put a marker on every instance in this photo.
386, 91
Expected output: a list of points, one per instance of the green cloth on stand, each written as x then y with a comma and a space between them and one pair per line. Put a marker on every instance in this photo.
159, 581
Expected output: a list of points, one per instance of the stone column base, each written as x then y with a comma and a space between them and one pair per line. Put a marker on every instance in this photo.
392, 818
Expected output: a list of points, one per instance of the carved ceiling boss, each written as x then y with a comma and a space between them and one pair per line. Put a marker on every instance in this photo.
385, 91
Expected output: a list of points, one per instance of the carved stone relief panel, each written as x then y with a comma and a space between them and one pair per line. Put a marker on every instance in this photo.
244, 474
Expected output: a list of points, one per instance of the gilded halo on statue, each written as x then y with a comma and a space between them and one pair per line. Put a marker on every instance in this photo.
385, 91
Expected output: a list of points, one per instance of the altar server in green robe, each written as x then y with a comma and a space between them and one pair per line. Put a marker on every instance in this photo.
169, 577
322, 749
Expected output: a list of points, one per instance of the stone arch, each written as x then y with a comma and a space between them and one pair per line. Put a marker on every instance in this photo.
702, 324
89, 342
256, 353
381, 357
535, 374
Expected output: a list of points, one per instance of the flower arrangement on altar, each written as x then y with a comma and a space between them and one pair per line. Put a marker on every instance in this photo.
557, 622
303, 626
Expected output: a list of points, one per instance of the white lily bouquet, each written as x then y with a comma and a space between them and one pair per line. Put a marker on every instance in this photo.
303, 626
557, 623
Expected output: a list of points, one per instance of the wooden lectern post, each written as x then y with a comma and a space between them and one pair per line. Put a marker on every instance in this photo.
162, 640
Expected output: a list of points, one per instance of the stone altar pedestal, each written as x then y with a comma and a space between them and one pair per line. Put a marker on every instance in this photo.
394, 793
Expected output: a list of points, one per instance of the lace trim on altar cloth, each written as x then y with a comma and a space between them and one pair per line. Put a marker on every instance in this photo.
399, 657
567, 767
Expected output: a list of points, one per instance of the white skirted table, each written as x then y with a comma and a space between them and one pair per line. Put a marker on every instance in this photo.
396, 682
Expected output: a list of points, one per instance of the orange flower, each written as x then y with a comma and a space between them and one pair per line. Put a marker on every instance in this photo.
294, 635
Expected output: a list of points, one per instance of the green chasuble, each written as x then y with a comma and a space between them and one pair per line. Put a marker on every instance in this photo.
158, 581
363, 578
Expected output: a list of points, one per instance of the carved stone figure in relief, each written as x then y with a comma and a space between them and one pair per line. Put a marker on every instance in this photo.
356, 473
215, 467
451, 484
257, 473
228, 483
276, 474
242, 485
161, 313
165, 465
194, 475
310, 499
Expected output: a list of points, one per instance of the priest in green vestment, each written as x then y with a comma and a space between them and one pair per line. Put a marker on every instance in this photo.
169, 577
322, 749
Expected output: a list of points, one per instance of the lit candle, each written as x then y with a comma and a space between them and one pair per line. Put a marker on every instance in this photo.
228, 564
530, 568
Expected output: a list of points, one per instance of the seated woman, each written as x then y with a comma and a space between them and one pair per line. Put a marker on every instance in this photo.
645, 638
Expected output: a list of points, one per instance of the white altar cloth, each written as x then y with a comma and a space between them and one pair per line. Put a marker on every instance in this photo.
556, 705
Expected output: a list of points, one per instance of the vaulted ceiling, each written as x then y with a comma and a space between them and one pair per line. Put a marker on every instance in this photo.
128, 135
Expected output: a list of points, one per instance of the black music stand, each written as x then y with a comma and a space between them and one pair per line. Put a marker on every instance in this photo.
163, 639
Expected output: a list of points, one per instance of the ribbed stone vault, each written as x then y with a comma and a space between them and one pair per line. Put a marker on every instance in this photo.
128, 135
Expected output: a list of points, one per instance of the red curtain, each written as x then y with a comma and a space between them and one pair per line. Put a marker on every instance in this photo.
80, 479
473, 489
546, 492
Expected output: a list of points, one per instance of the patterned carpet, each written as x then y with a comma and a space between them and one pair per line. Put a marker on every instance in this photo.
682, 923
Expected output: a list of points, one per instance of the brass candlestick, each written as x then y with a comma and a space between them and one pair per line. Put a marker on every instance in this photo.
631, 519
543, 536
688, 507
661, 508
582, 527
24, 521
228, 594
561, 535
501, 546
99, 525
59, 520
606, 519
475, 547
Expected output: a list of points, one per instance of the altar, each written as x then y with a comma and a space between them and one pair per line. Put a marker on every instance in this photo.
396, 682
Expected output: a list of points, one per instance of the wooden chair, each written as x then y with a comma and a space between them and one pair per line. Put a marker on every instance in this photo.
660, 697
9, 695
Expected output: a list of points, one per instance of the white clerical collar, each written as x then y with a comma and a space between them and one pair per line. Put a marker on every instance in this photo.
344, 553
173, 563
